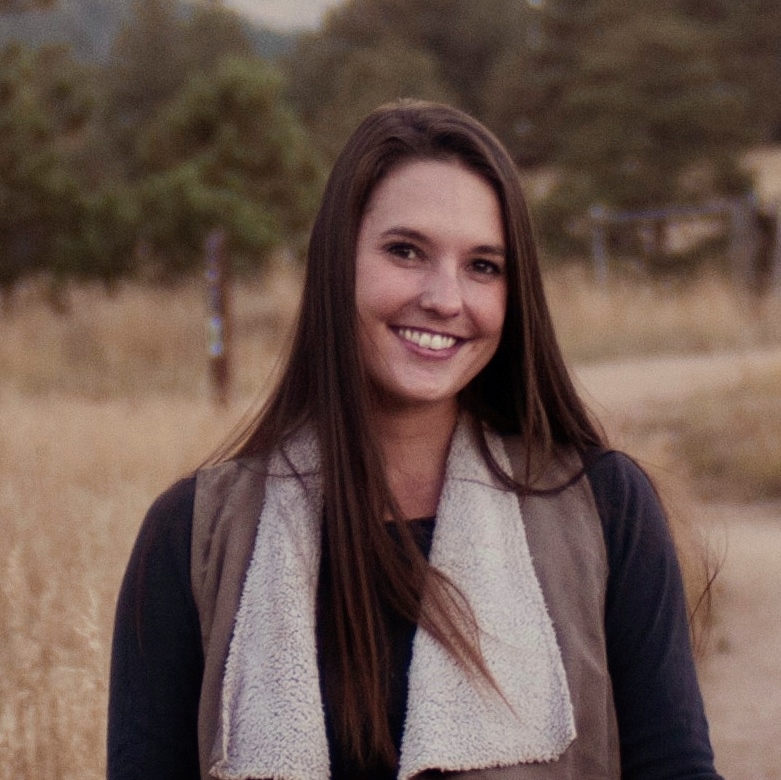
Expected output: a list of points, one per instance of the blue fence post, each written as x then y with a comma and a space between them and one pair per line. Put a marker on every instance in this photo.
775, 257
219, 310
599, 216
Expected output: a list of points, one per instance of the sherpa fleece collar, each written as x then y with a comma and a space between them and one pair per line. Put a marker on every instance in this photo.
271, 712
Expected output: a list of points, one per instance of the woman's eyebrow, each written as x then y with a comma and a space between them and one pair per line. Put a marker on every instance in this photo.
415, 235
404, 232
489, 249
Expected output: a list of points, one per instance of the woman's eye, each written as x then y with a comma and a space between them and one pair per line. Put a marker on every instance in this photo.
487, 267
404, 251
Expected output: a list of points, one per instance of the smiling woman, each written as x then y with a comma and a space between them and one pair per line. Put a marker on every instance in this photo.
430, 304
421, 556
430, 296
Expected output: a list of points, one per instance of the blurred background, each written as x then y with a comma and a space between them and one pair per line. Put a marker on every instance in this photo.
160, 164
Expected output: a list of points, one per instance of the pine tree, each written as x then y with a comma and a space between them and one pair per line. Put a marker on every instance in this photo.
227, 153
146, 69
372, 51
646, 113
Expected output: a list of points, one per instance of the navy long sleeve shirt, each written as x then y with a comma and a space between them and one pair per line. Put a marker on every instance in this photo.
157, 661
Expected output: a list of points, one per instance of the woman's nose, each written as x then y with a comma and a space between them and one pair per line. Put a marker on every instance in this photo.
441, 292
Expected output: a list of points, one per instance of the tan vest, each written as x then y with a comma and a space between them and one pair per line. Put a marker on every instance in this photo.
566, 541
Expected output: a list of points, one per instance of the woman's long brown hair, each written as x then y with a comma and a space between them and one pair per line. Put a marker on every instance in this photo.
525, 389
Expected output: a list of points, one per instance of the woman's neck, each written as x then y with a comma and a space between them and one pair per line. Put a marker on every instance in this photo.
415, 446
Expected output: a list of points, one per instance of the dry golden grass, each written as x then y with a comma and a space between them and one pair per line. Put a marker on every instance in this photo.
765, 166
627, 318
104, 408
142, 340
77, 477
728, 440
101, 410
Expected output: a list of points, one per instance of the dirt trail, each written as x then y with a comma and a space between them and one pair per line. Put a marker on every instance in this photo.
621, 387
741, 672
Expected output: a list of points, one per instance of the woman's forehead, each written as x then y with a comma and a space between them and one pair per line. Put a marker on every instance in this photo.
436, 195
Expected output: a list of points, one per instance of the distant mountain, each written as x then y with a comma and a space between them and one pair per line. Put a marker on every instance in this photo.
269, 43
88, 28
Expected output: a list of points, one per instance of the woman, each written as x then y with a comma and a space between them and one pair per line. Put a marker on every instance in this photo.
422, 556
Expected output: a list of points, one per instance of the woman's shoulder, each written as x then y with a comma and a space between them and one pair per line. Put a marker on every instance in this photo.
616, 476
633, 517
179, 496
225, 491
166, 531
156, 583
171, 513
619, 483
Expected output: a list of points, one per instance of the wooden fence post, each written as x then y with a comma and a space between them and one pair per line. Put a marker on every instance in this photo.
219, 322
599, 217
742, 241
775, 256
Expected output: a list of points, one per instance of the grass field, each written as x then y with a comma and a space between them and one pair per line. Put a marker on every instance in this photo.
104, 407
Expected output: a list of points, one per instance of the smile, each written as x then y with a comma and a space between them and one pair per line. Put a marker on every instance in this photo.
426, 340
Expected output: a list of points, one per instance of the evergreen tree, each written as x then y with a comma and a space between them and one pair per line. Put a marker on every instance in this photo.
44, 106
524, 89
371, 51
145, 70
212, 33
227, 153
645, 113
750, 53
338, 90
20, 6
154, 55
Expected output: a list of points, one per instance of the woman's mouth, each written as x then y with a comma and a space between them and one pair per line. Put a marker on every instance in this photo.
427, 340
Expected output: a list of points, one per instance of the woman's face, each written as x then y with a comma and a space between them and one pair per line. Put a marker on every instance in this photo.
431, 286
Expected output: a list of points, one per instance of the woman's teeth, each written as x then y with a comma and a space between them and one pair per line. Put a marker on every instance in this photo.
435, 341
